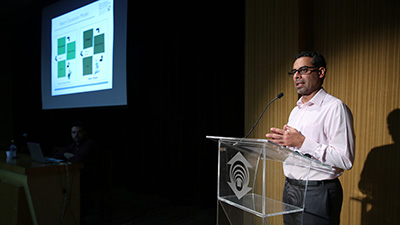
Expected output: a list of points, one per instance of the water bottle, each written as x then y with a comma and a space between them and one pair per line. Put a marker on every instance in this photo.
13, 149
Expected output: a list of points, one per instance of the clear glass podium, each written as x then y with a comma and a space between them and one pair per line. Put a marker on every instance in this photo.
248, 191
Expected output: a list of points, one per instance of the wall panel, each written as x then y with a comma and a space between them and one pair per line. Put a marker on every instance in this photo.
271, 43
362, 50
360, 40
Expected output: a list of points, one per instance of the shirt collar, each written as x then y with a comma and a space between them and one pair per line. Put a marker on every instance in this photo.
316, 100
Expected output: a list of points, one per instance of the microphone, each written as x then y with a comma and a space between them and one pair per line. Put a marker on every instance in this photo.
278, 96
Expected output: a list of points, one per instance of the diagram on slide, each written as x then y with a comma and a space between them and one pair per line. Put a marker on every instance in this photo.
82, 49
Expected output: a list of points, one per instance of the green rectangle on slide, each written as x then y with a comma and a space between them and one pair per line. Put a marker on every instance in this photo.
61, 46
71, 50
61, 69
99, 43
88, 38
87, 65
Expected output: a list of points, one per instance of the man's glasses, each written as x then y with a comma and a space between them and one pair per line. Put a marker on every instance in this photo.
302, 70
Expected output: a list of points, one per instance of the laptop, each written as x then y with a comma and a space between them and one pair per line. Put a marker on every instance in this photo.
37, 154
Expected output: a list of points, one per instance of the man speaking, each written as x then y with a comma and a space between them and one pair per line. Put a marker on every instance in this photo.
321, 127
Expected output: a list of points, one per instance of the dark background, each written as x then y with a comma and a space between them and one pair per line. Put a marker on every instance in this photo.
185, 80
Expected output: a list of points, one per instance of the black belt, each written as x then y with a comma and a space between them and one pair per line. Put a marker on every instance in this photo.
310, 182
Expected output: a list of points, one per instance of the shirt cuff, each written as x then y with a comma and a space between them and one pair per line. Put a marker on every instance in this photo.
310, 147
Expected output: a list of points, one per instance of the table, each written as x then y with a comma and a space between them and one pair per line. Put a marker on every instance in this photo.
38, 193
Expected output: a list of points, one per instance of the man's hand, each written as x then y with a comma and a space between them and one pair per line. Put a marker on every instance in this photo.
68, 155
288, 136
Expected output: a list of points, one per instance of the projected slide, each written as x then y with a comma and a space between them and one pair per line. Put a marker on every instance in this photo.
82, 49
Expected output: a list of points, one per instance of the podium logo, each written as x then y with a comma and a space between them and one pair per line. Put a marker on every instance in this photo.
239, 175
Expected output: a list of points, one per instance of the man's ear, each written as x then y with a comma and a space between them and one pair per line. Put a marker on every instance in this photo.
321, 72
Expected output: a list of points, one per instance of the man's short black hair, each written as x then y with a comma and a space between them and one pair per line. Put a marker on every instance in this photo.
318, 60
79, 124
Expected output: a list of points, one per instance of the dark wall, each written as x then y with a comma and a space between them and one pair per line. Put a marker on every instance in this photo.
185, 65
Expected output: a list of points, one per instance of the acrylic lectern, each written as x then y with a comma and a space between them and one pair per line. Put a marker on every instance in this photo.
248, 169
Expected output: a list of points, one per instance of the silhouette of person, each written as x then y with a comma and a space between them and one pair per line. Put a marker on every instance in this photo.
380, 178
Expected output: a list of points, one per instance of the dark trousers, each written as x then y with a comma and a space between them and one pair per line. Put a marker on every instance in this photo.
322, 206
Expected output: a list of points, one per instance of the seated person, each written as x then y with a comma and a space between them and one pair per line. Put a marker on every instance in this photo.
81, 147
84, 150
